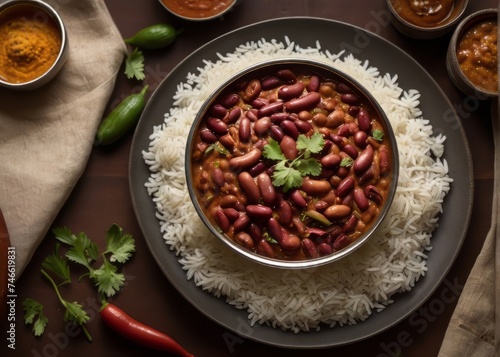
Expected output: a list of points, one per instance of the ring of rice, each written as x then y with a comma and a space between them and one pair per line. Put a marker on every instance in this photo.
346, 291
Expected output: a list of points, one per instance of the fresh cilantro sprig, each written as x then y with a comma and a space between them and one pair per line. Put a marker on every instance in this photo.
291, 173
33, 309
82, 251
134, 65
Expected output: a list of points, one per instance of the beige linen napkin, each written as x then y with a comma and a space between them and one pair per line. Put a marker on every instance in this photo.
46, 135
473, 330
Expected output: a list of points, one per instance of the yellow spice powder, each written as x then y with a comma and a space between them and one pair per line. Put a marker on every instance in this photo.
29, 46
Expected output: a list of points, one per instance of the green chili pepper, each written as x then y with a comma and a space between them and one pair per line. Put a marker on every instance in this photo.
121, 119
153, 37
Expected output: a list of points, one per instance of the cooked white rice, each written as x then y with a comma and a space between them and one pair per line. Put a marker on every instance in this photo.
344, 292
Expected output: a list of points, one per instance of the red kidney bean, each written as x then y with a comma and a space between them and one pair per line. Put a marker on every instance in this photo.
298, 199
247, 160
233, 116
335, 119
309, 248
348, 199
217, 126
363, 161
217, 176
252, 115
291, 91
207, 136
350, 98
277, 118
350, 224
360, 139
345, 186
317, 234
289, 241
330, 161
259, 212
343, 88
306, 102
353, 111
260, 144
266, 188
320, 119
290, 129
241, 223
350, 150
218, 111
255, 232
244, 239
257, 169
360, 199
303, 126
270, 82
228, 201
261, 126
289, 147
274, 229
222, 221
269, 109
231, 214
325, 249
285, 213
259, 103
245, 129
320, 205
286, 75
276, 133
265, 249
249, 186
344, 131
252, 90
368, 175
336, 212
230, 100
314, 83
364, 121
227, 141
315, 187
374, 194
341, 242
305, 115
384, 160
340, 141
299, 225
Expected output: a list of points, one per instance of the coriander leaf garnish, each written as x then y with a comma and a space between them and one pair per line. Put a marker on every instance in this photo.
58, 265
107, 280
346, 162
378, 134
33, 309
291, 173
121, 246
134, 65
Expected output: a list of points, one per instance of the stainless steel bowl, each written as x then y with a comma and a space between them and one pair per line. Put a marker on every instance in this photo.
262, 70
413, 30
201, 17
43, 12
452, 63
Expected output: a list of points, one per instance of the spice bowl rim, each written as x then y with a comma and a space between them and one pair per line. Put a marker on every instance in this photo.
453, 66
48, 75
248, 73
200, 19
421, 32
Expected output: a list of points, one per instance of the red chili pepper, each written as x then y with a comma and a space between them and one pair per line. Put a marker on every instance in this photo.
138, 332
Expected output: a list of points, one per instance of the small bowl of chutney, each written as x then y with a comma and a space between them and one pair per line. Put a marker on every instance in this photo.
426, 19
472, 57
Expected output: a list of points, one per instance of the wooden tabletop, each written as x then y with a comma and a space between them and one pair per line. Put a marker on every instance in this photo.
102, 197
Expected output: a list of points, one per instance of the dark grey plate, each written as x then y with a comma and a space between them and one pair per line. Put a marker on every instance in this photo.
333, 36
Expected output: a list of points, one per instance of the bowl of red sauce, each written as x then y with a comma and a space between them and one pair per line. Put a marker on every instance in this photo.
291, 163
426, 19
472, 57
198, 10
34, 44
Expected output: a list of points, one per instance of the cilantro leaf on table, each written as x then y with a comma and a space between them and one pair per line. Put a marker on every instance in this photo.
34, 310
58, 265
107, 280
119, 245
291, 173
134, 65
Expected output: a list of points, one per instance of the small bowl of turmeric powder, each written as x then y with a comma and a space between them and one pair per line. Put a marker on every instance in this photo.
34, 44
